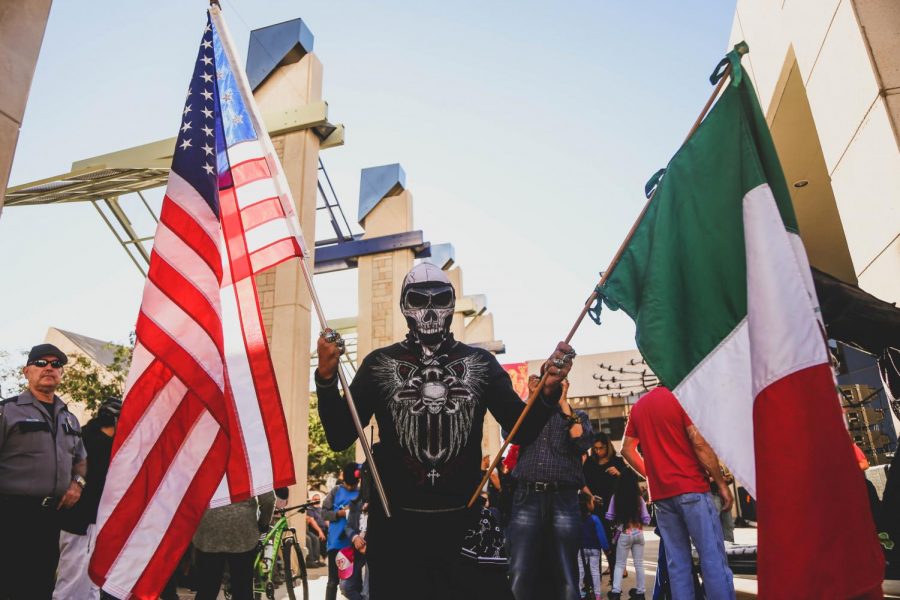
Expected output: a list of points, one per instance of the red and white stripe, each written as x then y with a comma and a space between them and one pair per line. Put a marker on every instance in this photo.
263, 205
771, 371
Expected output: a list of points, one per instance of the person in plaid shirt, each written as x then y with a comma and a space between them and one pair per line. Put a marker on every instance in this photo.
545, 521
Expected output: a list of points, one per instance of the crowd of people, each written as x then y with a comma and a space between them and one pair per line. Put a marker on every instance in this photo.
562, 503
555, 509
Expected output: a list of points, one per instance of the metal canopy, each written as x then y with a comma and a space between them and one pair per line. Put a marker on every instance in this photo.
85, 185
102, 180
147, 166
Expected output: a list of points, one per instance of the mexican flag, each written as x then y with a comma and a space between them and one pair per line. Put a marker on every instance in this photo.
717, 281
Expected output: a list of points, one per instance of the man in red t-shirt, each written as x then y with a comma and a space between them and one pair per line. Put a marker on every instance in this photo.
676, 460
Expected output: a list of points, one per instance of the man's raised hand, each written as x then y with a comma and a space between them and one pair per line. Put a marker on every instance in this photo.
329, 347
557, 367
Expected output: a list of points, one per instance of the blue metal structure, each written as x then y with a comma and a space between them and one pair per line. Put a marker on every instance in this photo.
376, 184
274, 46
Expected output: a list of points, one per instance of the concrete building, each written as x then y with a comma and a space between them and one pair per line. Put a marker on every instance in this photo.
827, 73
100, 355
606, 386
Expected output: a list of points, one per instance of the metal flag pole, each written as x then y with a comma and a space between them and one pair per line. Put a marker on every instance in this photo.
360, 432
284, 193
593, 297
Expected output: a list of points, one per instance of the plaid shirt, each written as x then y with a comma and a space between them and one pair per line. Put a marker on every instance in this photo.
555, 457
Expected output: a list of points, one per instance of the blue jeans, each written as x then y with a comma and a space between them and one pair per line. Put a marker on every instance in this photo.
353, 587
694, 518
544, 524
631, 542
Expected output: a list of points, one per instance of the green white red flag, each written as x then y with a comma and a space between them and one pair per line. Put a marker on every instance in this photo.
717, 281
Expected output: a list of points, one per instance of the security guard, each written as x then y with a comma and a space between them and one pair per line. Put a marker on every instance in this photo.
42, 468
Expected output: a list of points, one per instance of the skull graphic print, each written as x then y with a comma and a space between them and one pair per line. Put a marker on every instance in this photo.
432, 405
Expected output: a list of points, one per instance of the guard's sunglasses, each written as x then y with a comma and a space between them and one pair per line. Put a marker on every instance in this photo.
41, 363
429, 298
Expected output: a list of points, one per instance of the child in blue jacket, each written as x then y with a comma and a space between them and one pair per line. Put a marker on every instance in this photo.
593, 540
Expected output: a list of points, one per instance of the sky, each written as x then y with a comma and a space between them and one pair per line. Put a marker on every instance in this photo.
526, 130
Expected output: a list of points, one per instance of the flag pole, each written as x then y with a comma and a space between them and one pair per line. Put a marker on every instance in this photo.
726, 73
287, 201
360, 432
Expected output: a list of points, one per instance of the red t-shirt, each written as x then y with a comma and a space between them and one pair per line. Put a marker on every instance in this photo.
659, 423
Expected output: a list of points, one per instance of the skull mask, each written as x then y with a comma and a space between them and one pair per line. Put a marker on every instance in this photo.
427, 301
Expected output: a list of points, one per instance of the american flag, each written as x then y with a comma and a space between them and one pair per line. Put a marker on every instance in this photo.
202, 423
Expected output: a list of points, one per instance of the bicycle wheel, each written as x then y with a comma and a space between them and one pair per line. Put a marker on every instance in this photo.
291, 549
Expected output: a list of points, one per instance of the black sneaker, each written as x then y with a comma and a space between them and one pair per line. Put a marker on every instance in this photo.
614, 595
633, 594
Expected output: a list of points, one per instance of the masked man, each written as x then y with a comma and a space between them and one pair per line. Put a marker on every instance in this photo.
429, 394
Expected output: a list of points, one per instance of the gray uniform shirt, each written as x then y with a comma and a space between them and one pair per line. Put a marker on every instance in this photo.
39, 445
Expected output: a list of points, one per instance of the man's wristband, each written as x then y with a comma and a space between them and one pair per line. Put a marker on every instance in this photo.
572, 420
324, 383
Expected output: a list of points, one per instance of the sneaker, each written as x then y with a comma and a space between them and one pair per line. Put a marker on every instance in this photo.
633, 594
614, 595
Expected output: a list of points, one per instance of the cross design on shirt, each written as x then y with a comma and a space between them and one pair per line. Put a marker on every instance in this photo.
432, 475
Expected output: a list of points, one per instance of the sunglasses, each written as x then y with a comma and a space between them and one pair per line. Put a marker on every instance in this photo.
424, 298
56, 364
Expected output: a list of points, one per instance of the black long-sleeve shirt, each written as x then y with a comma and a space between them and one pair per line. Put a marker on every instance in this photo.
98, 446
430, 413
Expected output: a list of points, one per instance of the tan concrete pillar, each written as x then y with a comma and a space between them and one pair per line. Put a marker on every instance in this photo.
285, 300
458, 326
22, 26
381, 276
388, 211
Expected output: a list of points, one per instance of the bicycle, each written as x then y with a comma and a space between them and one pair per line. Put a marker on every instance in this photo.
281, 538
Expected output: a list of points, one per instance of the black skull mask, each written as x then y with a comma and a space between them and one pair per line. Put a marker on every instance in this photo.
427, 300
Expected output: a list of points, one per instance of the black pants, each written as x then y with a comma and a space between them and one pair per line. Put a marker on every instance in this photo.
315, 547
417, 555
609, 529
29, 548
211, 568
333, 579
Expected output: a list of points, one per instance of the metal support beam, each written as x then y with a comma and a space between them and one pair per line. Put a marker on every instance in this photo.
141, 265
494, 346
344, 255
125, 222
472, 306
158, 155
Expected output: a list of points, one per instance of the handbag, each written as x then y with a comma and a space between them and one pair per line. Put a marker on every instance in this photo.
485, 542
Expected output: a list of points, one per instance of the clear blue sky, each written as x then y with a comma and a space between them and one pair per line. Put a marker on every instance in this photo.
527, 131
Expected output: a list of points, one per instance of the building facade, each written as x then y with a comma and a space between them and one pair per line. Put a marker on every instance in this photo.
827, 73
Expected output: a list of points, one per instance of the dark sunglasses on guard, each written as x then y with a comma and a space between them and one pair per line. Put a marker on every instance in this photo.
421, 298
41, 363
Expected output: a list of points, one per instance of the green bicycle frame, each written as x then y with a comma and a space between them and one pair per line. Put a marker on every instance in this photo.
263, 570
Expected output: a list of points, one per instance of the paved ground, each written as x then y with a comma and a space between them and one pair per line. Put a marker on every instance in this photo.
745, 585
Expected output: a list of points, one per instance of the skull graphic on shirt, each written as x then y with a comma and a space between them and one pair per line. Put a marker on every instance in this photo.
432, 405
